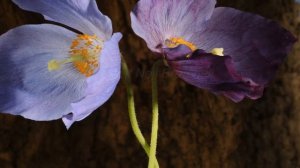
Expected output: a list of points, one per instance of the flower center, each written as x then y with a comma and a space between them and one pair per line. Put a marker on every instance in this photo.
175, 41
84, 54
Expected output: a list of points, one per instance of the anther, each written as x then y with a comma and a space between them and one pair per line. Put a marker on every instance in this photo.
84, 54
218, 51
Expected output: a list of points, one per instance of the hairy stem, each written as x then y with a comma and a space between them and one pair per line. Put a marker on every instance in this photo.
131, 109
153, 144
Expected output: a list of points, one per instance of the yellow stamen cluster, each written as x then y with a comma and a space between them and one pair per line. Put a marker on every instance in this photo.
84, 54
175, 41
218, 51
88, 48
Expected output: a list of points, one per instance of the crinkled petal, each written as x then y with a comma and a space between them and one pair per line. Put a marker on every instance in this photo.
211, 72
101, 85
27, 88
158, 20
82, 15
257, 45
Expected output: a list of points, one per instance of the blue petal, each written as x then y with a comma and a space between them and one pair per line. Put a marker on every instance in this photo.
101, 85
158, 20
27, 88
82, 15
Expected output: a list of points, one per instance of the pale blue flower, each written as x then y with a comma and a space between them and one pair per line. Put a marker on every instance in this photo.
48, 72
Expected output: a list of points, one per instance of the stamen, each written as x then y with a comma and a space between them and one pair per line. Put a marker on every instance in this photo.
84, 54
218, 51
175, 41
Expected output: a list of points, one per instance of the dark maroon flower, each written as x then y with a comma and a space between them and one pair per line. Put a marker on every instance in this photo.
223, 50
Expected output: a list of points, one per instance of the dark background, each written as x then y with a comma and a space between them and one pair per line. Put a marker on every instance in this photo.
197, 128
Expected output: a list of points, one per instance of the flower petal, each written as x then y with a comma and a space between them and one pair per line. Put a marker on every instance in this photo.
211, 72
158, 20
101, 85
27, 88
82, 15
257, 45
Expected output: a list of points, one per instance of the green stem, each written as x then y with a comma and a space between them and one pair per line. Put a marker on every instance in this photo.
131, 110
153, 144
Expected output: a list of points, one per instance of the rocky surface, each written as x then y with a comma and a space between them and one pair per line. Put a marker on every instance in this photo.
197, 128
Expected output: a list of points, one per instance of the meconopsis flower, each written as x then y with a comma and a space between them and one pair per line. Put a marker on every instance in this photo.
223, 50
48, 72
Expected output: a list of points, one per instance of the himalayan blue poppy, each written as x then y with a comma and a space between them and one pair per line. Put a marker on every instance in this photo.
49, 72
223, 50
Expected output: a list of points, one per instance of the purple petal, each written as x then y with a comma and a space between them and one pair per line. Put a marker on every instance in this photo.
158, 20
82, 15
101, 85
213, 73
180, 52
257, 45
27, 88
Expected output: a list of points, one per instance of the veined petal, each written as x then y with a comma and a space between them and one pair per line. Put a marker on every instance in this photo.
82, 15
211, 72
158, 20
101, 85
257, 45
27, 88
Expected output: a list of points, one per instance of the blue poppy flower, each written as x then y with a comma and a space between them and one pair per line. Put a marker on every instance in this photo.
48, 72
223, 50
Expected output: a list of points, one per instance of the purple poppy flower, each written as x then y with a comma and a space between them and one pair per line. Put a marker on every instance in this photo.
48, 72
220, 49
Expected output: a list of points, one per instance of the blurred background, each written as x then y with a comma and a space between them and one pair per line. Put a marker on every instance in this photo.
197, 128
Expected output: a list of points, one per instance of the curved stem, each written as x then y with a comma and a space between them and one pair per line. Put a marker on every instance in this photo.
131, 109
153, 143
